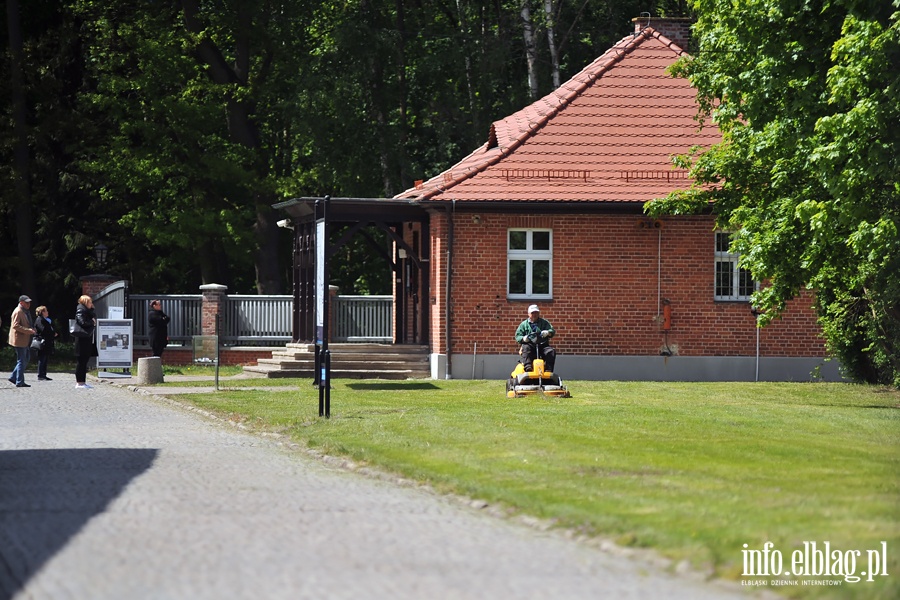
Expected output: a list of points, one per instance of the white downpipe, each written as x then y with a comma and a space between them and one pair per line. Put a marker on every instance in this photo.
658, 272
448, 372
757, 348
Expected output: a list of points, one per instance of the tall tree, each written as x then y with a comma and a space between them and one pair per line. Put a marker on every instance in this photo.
22, 202
55, 216
531, 51
550, 11
197, 149
807, 173
247, 68
166, 130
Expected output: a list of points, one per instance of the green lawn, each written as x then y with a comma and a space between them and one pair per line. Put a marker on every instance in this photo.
693, 470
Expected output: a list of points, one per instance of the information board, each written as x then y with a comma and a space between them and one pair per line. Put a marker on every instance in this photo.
115, 343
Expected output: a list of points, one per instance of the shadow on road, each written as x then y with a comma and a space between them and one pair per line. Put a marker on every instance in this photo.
46, 496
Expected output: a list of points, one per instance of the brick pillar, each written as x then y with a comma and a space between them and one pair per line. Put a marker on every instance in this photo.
91, 285
214, 296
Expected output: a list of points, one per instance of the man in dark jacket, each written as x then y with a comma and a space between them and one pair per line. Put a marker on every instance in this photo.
159, 328
533, 333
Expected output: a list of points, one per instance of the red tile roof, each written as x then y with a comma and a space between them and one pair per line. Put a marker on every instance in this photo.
606, 135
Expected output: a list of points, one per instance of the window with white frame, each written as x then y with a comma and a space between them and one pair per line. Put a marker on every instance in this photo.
529, 259
732, 282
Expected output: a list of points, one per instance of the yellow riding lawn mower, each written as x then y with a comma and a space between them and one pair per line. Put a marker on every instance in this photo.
537, 381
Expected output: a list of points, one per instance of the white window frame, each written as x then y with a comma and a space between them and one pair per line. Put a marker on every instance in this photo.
738, 274
529, 255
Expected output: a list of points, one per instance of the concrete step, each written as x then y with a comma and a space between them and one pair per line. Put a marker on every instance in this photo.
362, 347
339, 373
367, 364
348, 361
350, 357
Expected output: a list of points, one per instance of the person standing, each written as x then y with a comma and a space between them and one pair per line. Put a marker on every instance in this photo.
158, 329
47, 335
85, 348
20, 332
534, 334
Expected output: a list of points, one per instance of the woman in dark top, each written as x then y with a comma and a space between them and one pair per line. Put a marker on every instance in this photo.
158, 328
47, 335
85, 347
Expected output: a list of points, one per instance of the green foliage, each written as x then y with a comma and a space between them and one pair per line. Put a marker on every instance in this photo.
807, 172
167, 130
167, 158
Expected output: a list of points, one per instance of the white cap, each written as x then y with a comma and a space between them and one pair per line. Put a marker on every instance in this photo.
533, 308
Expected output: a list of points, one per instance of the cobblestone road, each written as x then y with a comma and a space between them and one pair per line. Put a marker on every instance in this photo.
112, 494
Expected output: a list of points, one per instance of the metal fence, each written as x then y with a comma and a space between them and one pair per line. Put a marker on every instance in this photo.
363, 318
256, 320
185, 313
249, 320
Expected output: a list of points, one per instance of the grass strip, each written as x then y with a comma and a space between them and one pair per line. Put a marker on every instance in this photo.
692, 470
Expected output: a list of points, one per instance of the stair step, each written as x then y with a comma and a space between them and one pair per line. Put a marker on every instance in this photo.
362, 347
351, 357
340, 374
348, 361
369, 365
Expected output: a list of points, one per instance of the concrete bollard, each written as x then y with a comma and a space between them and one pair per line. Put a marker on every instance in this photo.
149, 370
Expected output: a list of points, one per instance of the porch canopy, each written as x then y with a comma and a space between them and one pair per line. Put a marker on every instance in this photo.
387, 214
351, 210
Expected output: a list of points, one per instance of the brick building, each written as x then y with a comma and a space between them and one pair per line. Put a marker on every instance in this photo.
550, 211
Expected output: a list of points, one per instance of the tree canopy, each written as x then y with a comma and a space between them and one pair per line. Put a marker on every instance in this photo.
167, 130
808, 172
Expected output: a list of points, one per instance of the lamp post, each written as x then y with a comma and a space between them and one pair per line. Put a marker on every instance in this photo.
100, 253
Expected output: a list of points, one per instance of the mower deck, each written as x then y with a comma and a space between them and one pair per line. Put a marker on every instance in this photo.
536, 382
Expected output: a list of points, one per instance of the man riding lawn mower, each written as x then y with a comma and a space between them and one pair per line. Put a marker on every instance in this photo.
534, 373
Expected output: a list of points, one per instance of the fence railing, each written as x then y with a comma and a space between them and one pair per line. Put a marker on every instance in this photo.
363, 318
185, 313
256, 320
248, 320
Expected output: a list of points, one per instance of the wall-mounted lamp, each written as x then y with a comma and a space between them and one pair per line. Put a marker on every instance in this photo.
476, 219
285, 224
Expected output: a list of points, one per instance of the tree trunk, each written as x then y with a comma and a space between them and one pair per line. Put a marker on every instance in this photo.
551, 40
268, 277
464, 30
212, 268
244, 131
530, 49
22, 202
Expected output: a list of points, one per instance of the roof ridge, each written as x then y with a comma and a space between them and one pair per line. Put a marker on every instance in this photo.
509, 133
574, 86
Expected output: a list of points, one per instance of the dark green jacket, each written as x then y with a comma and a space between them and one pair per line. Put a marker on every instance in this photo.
541, 324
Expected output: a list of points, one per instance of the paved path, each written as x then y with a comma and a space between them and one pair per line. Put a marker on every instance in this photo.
112, 494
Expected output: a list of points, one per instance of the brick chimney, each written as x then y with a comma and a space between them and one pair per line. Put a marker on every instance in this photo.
677, 29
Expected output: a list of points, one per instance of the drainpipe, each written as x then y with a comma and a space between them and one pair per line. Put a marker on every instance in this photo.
757, 349
658, 268
755, 312
450, 213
